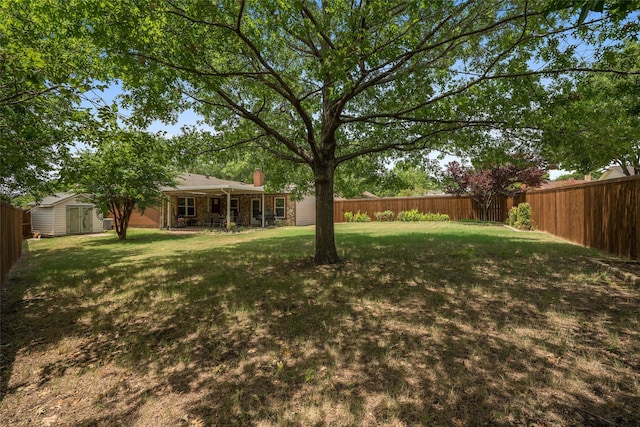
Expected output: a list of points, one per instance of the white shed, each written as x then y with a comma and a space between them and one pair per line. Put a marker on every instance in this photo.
63, 214
306, 211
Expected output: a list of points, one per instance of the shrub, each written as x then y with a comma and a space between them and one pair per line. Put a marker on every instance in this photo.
358, 217
414, 215
384, 216
523, 221
361, 217
520, 217
513, 216
435, 217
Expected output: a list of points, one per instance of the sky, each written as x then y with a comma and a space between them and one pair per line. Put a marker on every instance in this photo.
108, 95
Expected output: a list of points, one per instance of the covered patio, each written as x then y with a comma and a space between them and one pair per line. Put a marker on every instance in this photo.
206, 201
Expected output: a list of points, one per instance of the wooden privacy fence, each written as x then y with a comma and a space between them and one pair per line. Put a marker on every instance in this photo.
10, 238
602, 214
456, 207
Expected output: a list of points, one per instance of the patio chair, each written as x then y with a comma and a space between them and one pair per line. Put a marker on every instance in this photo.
216, 220
208, 220
269, 217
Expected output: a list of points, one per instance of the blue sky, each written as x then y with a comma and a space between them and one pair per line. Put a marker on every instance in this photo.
108, 95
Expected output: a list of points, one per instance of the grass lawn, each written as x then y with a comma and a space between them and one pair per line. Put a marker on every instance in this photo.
423, 324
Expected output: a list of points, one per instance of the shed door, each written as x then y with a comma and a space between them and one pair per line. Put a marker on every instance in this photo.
79, 220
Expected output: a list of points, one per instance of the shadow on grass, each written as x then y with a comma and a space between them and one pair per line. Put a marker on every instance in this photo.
415, 328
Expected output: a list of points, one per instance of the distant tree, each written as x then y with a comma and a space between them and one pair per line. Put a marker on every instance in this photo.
125, 173
485, 185
404, 178
593, 121
237, 170
190, 154
416, 180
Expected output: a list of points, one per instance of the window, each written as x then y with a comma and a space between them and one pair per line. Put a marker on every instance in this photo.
186, 206
280, 207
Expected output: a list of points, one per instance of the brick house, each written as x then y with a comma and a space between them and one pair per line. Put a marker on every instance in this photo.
203, 200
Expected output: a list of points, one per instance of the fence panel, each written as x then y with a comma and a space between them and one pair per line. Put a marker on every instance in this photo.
10, 238
456, 207
601, 214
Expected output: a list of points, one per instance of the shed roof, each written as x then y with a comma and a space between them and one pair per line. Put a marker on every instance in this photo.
54, 200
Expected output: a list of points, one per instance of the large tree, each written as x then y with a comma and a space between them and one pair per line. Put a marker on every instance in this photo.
124, 173
317, 84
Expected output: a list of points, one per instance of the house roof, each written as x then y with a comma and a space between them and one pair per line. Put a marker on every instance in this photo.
615, 172
563, 183
191, 183
54, 200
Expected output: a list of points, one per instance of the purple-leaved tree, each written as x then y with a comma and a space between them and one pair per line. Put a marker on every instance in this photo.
485, 185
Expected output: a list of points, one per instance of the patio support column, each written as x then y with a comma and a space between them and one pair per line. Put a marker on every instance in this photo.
228, 208
169, 213
264, 211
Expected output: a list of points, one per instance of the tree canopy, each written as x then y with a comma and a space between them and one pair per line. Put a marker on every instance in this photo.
124, 173
45, 68
616, 8
593, 121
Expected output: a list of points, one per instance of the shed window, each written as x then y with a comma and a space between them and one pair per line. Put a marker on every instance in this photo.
280, 207
186, 206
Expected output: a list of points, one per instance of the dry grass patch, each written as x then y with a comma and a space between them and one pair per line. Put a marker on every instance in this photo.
423, 324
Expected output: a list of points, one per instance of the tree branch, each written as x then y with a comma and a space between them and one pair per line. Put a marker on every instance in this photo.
281, 87
269, 131
409, 145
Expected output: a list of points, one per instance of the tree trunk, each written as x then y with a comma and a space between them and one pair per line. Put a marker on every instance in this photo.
125, 227
121, 218
485, 212
326, 252
121, 227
